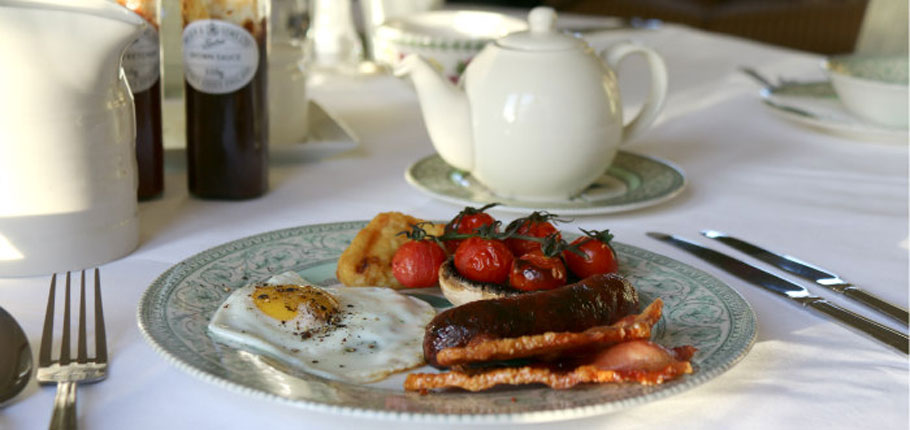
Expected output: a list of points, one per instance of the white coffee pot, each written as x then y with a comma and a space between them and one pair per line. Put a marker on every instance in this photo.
67, 131
537, 115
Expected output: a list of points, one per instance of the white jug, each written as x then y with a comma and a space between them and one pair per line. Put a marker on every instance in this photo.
67, 133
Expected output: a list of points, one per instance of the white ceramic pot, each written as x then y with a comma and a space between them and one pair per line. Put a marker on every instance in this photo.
376, 12
67, 131
448, 39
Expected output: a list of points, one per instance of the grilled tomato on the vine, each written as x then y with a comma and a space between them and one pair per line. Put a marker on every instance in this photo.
467, 221
535, 271
416, 262
484, 260
536, 225
597, 255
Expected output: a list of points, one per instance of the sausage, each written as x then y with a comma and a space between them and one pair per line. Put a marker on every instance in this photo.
593, 301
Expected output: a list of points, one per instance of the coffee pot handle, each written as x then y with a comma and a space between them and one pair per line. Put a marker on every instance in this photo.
658, 91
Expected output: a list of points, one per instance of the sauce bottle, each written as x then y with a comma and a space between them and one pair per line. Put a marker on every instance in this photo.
225, 70
142, 65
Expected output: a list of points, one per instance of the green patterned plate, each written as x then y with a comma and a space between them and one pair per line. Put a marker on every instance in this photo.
173, 313
633, 181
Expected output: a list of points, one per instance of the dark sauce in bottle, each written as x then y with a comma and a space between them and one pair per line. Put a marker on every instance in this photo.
141, 63
149, 149
227, 137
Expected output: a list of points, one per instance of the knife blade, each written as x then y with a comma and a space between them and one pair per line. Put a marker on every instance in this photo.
816, 274
790, 290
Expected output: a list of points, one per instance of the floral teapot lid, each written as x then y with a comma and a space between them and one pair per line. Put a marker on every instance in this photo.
541, 35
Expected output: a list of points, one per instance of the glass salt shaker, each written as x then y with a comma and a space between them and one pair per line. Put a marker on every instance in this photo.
288, 102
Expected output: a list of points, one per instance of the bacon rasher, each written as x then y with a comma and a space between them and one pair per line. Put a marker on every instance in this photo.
619, 352
640, 361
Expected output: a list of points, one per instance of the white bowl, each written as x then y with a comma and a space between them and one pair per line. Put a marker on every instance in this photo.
873, 88
447, 38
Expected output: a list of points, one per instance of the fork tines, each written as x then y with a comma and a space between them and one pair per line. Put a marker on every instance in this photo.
44, 356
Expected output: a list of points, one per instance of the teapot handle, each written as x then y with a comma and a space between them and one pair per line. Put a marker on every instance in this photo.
658, 93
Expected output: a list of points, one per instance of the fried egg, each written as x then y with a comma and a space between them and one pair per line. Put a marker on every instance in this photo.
357, 335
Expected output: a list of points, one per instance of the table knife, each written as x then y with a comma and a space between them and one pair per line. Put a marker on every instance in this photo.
790, 290
813, 273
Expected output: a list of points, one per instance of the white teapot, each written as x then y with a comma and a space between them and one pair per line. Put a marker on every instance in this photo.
538, 114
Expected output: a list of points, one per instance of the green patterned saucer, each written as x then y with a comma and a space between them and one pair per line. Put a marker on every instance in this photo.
633, 181
173, 313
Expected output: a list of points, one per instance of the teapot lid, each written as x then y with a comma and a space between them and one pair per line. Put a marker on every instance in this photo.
541, 35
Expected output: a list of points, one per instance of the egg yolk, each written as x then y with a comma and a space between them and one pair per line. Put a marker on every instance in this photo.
283, 302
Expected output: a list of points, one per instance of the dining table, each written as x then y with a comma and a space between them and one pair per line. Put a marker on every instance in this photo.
835, 199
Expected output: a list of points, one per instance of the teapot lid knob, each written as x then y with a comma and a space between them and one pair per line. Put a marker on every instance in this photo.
542, 20
541, 34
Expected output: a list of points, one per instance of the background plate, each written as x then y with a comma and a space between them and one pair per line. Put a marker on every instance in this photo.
173, 314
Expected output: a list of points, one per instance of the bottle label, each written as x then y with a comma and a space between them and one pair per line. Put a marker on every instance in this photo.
142, 61
218, 57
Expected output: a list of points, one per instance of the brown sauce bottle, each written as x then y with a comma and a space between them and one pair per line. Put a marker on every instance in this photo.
142, 64
149, 147
227, 132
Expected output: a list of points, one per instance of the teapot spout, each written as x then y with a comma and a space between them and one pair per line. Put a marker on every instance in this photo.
445, 110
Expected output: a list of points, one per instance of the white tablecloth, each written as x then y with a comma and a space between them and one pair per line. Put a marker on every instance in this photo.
839, 202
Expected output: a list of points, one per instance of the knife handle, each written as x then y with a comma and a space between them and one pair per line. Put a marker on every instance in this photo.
887, 335
876, 303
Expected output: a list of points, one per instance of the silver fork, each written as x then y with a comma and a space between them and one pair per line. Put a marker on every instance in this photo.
65, 372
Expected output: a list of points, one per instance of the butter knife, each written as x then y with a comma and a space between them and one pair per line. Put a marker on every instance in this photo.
790, 290
813, 273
